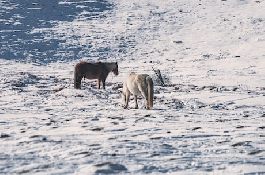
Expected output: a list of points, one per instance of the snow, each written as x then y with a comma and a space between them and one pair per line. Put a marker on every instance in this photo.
208, 119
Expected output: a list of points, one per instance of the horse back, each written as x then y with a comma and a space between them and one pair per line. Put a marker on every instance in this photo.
91, 70
136, 82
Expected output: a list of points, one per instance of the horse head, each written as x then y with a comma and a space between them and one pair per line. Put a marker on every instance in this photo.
115, 69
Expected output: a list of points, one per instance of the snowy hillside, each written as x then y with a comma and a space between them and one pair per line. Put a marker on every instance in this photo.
208, 119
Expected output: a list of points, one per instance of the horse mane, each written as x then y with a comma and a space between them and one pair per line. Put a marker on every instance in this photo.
110, 65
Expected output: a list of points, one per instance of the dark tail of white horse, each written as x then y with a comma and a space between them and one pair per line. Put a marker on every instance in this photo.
150, 91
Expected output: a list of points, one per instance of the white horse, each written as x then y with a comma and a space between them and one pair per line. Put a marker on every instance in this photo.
138, 84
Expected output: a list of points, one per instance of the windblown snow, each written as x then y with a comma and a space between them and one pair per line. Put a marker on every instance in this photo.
209, 118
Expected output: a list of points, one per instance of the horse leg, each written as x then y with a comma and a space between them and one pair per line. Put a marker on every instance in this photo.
77, 81
103, 83
144, 93
127, 98
98, 83
146, 99
135, 101
77, 84
123, 95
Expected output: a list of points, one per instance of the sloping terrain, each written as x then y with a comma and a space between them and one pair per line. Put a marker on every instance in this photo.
207, 119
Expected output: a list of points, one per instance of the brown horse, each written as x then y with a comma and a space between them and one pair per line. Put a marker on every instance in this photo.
97, 71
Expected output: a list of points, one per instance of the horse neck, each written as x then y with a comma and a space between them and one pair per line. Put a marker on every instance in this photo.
110, 66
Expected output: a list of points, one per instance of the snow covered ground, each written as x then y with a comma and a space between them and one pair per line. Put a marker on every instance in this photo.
209, 119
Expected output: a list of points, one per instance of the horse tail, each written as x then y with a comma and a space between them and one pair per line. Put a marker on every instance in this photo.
150, 91
77, 82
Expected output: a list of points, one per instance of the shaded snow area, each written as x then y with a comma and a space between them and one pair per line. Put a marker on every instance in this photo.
209, 118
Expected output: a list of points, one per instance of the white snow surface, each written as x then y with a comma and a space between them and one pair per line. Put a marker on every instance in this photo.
208, 119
